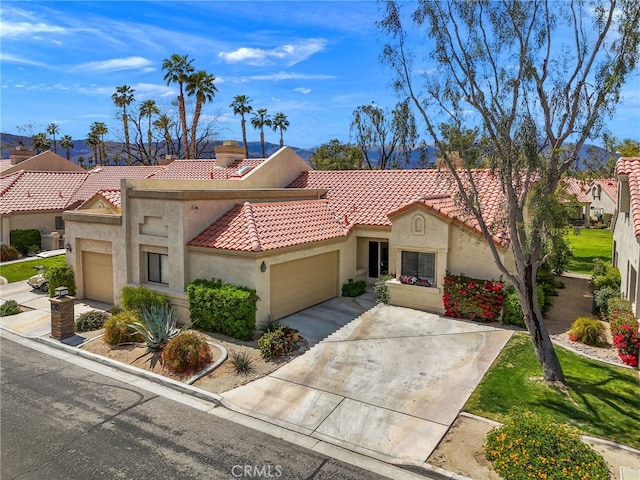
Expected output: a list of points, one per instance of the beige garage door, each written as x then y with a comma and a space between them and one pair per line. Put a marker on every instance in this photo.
299, 284
98, 276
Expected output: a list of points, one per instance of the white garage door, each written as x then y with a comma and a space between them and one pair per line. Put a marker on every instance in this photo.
299, 284
97, 269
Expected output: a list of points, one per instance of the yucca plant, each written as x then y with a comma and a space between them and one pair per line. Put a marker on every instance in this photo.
157, 325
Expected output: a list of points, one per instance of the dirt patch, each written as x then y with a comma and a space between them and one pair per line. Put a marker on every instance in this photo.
462, 448
222, 379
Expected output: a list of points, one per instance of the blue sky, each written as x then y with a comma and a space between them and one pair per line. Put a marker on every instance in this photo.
314, 61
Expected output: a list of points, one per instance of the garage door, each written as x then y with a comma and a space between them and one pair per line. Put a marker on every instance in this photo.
98, 276
299, 284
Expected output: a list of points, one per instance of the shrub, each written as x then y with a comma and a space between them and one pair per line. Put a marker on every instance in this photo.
61, 276
8, 252
599, 268
157, 325
602, 296
604, 275
276, 343
618, 305
23, 239
353, 289
270, 325
117, 328
472, 298
530, 446
587, 330
513, 314
10, 307
242, 363
140, 297
91, 320
624, 329
560, 254
217, 306
33, 249
187, 352
381, 290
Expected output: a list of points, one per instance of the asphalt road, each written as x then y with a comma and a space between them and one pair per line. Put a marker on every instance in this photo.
61, 421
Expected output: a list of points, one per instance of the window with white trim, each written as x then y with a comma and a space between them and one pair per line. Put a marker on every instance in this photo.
158, 268
418, 268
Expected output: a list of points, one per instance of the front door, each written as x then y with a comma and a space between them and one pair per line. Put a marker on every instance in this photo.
378, 259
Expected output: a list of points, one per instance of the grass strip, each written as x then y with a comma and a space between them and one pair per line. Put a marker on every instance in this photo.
15, 272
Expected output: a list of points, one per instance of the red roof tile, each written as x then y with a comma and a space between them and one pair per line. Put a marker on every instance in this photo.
39, 191
108, 178
630, 166
267, 226
205, 169
112, 197
578, 188
609, 186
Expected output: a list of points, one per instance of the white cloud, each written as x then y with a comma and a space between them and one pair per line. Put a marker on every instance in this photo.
289, 54
115, 64
291, 76
23, 29
4, 57
303, 91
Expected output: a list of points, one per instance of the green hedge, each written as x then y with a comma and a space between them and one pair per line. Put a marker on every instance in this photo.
513, 310
354, 289
61, 276
140, 297
23, 239
217, 306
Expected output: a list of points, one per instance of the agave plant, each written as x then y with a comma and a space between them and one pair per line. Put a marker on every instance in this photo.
158, 325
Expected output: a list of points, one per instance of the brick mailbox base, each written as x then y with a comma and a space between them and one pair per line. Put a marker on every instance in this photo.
62, 317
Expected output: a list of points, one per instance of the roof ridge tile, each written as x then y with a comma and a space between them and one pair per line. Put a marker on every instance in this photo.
252, 230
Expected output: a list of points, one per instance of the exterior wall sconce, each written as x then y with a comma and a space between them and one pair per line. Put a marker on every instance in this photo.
67, 247
263, 267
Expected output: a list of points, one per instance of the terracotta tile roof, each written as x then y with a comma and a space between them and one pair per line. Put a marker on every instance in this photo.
255, 227
204, 169
578, 188
39, 191
108, 178
112, 197
5, 164
630, 166
366, 197
609, 186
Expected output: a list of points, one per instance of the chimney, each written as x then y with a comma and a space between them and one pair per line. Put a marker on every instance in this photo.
228, 152
20, 154
166, 160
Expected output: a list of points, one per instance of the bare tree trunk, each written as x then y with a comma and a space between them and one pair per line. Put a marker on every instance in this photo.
551, 368
244, 137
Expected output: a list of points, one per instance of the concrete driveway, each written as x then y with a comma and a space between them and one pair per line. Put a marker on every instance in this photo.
388, 384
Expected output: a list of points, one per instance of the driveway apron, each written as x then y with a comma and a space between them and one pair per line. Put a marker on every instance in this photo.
389, 384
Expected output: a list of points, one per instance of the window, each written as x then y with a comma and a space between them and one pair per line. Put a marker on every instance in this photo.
418, 268
59, 223
158, 268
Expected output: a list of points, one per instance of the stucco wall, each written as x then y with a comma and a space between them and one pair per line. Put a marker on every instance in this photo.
471, 255
27, 221
627, 252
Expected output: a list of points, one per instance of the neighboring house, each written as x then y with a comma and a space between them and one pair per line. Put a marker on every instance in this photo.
581, 203
626, 227
23, 159
602, 195
274, 225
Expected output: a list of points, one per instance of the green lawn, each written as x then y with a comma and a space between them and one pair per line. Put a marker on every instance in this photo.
589, 244
15, 272
601, 400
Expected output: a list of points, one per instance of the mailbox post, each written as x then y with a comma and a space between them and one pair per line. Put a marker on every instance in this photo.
62, 314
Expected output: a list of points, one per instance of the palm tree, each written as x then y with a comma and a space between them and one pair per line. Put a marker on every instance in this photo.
123, 98
259, 121
241, 106
164, 123
66, 142
201, 85
81, 161
93, 140
53, 130
100, 130
40, 142
149, 109
178, 68
281, 123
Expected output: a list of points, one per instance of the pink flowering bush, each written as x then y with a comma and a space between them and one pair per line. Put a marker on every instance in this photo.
466, 297
624, 329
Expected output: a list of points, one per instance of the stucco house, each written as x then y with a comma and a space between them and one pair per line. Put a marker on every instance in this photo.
293, 234
626, 227
603, 196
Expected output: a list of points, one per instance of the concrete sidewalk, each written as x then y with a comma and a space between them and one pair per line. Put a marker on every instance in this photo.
388, 384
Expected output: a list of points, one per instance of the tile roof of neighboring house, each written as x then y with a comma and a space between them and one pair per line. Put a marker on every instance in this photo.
108, 178
5, 163
630, 166
578, 188
39, 191
366, 197
266, 226
205, 169
609, 186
